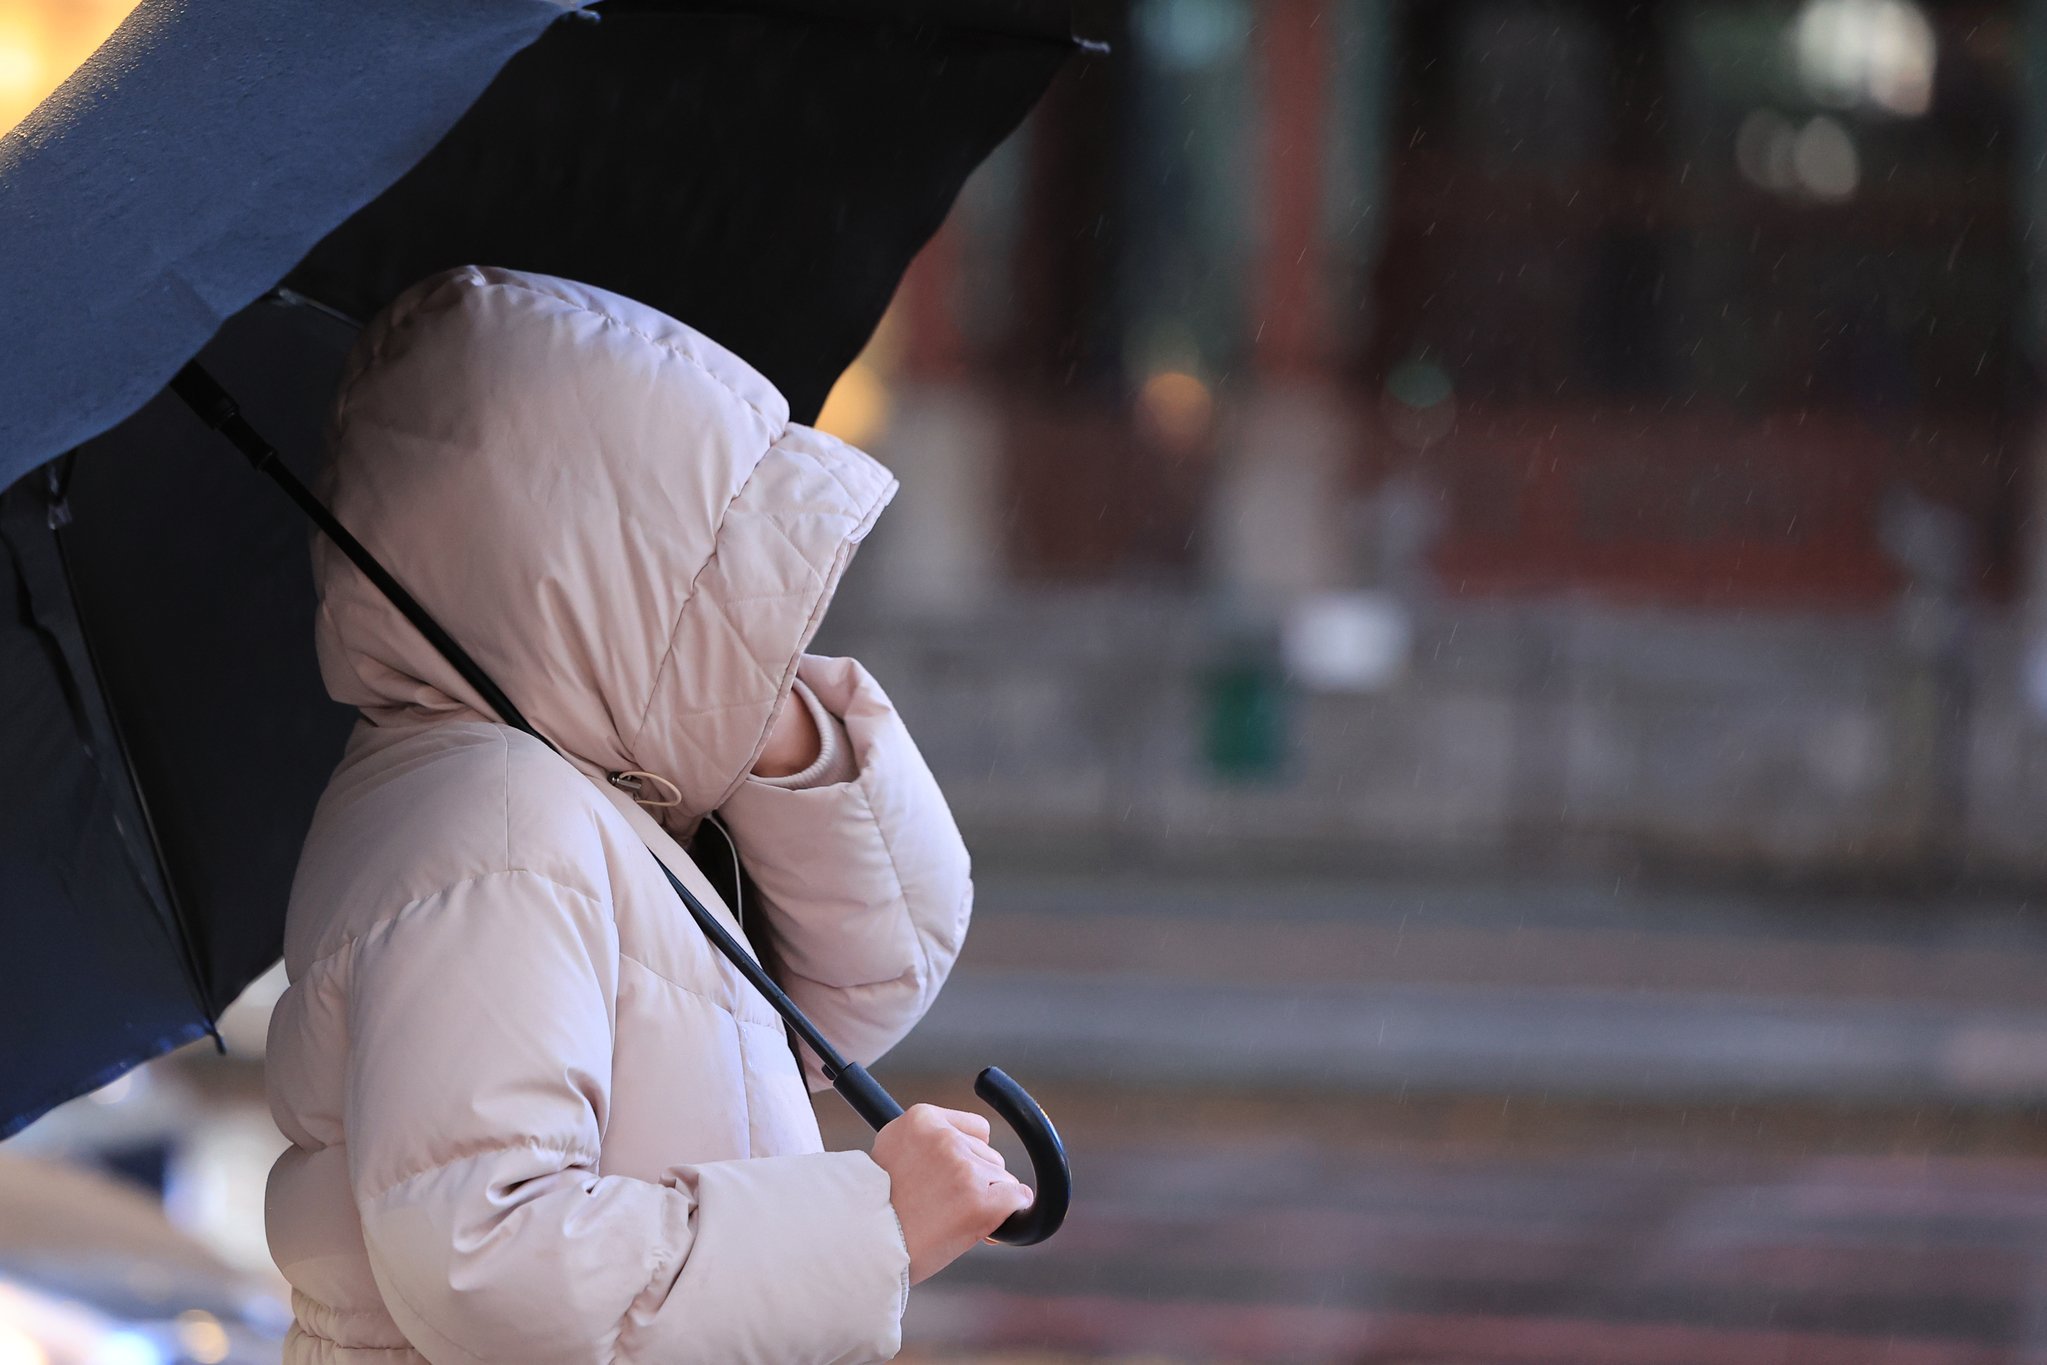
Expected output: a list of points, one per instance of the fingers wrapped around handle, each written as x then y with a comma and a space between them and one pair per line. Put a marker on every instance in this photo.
1051, 1179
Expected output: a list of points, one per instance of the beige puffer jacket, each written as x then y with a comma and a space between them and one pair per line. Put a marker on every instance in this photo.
534, 1115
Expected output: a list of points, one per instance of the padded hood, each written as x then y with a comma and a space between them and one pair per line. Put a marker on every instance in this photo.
612, 513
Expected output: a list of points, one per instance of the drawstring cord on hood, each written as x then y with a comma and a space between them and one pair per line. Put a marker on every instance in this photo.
635, 781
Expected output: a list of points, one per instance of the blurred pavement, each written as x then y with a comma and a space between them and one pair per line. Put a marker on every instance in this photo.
1391, 1123
1560, 989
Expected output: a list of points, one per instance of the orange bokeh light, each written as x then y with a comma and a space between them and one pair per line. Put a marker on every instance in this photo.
43, 41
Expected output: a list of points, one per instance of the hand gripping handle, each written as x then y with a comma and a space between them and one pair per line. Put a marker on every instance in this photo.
1051, 1179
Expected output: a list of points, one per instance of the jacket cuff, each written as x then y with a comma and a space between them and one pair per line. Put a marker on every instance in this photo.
834, 762
804, 1253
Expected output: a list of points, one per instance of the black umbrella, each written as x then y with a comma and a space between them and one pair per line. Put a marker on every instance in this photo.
221, 176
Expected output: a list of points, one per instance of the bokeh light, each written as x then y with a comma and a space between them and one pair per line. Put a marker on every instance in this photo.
125, 1348
1178, 407
857, 410
201, 1337
1420, 404
18, 1348
43, 41
1824, 156
1816, 160
1874, 53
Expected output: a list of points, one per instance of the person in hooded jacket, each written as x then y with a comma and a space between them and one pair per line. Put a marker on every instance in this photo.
534, 1115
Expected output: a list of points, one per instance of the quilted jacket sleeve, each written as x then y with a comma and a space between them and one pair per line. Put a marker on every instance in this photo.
865, 882
480, 1027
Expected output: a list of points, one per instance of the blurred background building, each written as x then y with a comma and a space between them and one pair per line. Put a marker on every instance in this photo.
1476, 571
1495, 434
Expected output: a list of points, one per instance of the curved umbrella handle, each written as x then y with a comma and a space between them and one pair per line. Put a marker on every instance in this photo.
1051, 1178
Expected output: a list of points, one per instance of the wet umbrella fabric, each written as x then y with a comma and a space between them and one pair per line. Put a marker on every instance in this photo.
764, 173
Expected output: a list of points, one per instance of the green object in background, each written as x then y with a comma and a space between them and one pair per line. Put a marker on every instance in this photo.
1246, 705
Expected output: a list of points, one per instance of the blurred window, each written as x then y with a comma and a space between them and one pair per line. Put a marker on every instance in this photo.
1719, 276
1191, 197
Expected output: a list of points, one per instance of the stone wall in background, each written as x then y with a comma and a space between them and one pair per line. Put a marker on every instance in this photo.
1144, 728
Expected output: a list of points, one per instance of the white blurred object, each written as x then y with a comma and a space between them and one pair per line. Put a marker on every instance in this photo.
245, 1025
1874, 53
126, 1347
93, 1273
1825, 158
1347, 641
215, 1183
38, 1329
19, 1348
1817, 161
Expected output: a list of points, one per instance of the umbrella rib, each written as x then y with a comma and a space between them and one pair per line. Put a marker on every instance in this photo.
181, 922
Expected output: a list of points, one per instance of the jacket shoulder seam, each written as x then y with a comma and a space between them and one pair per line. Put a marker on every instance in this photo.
408, 906
667, 980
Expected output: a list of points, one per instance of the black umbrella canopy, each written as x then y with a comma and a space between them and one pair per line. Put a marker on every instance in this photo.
772, 199
763, 171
